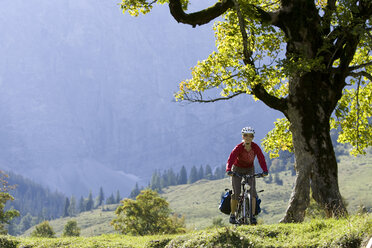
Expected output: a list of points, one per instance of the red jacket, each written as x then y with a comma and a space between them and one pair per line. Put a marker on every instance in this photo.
237, 153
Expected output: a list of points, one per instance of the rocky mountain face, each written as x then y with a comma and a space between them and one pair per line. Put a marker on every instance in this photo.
86, 96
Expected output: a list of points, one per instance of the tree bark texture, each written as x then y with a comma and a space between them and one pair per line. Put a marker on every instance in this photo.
312, 98
316, 166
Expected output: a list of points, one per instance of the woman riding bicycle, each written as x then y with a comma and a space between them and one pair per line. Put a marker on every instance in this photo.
241, 161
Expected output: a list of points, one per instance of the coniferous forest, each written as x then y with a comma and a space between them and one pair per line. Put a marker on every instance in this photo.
37, 203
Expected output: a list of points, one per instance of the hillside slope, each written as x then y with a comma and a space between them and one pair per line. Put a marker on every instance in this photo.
198, 202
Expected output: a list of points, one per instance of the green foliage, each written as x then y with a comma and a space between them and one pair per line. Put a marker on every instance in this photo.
353, 115
71, 229
228, 71
7, 242
111, 240
135, 7
43, 230
278, 139
148, 214
5, 216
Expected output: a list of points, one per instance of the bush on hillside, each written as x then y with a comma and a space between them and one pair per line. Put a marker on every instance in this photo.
43, 230
71, 229
148, 214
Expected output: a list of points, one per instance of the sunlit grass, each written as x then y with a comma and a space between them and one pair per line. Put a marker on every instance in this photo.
353, 231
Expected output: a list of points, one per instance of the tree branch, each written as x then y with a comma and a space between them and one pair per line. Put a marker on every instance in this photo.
330, 8
353, 68
271, 101
361, 73
258, 90
247, 53
201, 100
258, 13
200, 17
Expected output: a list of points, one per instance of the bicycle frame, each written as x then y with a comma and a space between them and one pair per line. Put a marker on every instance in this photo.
245, 211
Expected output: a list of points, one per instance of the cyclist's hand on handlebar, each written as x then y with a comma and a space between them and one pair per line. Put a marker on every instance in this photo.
229, 173
265, 173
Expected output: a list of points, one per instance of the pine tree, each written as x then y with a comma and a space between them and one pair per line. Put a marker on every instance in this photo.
208, 172
118, 197
82, 206
182, 179
133, 194
90, 202
201, 172
172, 178
193, 175
110, 199
164, 180
72, 209
155, 181
66, 208
100, 198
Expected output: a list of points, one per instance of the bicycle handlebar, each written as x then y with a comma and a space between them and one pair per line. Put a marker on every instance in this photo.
257, 175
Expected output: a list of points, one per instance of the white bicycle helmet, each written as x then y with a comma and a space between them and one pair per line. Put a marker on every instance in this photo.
248, 130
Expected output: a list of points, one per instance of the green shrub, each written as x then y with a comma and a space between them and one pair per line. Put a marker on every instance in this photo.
148, 214
43, 230
71, 229
5, 242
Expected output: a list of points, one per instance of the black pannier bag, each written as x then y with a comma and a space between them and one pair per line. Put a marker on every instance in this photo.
225, 206
258, 206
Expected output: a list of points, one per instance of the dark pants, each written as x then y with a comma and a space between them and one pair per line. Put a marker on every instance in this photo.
236, 181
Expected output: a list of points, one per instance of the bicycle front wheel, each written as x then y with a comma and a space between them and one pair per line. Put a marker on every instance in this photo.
243, 212
250, 211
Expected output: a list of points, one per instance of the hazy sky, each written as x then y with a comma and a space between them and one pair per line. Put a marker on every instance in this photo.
85, 88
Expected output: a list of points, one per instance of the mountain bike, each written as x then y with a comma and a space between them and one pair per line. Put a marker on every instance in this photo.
245, 213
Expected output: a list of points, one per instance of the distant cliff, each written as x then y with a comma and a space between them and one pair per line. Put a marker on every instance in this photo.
86, 96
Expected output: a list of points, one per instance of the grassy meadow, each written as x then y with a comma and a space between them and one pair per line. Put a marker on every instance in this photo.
354, 231
198, 202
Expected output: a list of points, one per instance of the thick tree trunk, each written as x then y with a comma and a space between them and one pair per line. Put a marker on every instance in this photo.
324, 179
316, 166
